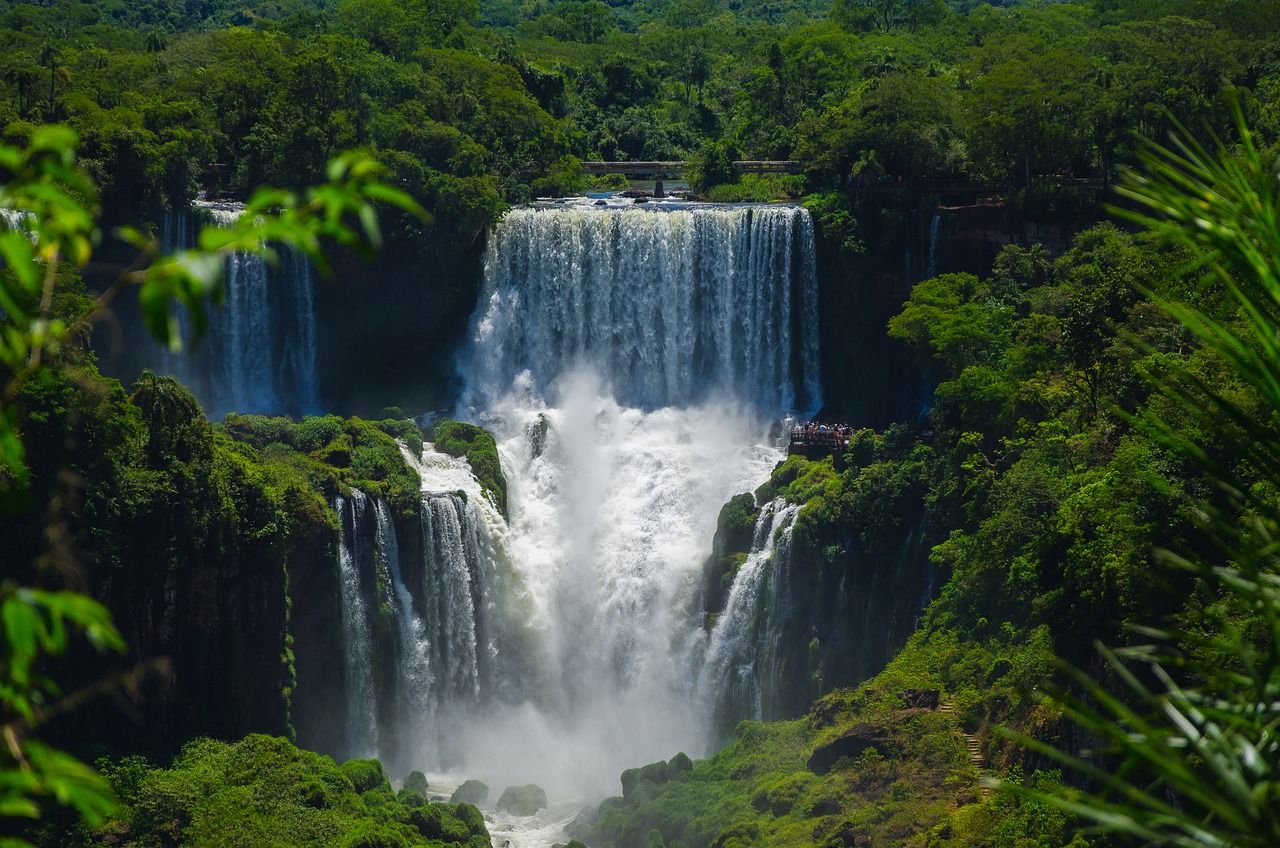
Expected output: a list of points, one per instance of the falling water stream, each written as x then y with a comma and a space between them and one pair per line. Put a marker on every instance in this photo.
357, 660
259, 354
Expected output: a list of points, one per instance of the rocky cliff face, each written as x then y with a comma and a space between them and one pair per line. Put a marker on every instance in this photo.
872, 380
840, 568
215, 548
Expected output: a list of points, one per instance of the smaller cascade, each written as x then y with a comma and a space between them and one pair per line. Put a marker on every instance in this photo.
357, 630
241, 338
260, 350
413, 668
17, 219
730, 685
472, 602
449, 546
464, 573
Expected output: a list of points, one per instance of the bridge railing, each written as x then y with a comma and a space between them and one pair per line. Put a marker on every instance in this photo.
675, 168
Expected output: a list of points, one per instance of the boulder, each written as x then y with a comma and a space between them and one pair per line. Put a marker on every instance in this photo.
438, 822
470, 792
655, 773
522, 800
415, 782
850, 745
927, 699
364, 774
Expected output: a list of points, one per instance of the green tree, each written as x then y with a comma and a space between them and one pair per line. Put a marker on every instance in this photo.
1189, 742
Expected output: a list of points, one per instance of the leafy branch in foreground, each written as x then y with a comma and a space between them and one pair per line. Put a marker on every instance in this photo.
48, 231
1189, 751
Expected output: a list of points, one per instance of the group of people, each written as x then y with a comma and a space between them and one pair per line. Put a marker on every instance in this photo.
812, 432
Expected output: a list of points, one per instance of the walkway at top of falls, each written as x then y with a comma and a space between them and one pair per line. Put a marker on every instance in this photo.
671, 170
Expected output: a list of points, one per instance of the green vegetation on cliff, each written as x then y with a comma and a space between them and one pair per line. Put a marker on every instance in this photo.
476, 445
264, 792
332, 454
234, 519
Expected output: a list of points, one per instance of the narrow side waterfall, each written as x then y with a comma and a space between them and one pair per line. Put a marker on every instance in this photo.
730, 684
449, 544
670, 306
414, 678
357, 629
259, 351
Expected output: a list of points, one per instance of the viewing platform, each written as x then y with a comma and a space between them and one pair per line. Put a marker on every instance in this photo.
815, 441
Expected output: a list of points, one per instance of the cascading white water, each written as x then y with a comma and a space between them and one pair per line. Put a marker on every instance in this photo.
670, 307
479, 620
17, 219
415, 680
259, 354
631, 364
729, 682
357, 630
450, 590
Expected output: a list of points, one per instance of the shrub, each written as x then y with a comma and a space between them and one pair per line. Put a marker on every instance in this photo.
370, 835
364, 774
316, 431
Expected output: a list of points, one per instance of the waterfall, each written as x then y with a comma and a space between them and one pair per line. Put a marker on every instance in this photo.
632, 366
414, 677
670, 306
17, 219
449, 545
934, 226
730, 683
357, 630
259, 351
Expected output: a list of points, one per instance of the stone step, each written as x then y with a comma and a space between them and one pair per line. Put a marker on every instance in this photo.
973, 748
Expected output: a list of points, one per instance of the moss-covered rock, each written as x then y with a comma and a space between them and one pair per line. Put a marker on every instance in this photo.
729, 550
476, 445
416, 782
470, 792
440, 822
523, 800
